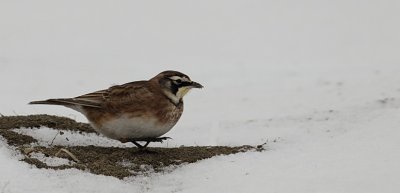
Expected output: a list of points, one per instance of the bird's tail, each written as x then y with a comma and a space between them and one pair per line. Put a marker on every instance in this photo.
64, 102
67, 102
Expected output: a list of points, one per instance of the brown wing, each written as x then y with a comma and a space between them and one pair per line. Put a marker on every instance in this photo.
133, 92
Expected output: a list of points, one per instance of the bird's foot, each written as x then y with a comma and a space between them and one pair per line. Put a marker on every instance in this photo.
160, 139
147, 140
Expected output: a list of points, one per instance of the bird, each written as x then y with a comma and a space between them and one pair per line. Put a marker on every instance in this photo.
139, 111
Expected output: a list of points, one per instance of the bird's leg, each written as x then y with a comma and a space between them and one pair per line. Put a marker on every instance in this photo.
148, 141
138, 145
142, 148
161, 139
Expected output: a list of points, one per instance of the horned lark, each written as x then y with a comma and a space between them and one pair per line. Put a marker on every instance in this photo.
135, 111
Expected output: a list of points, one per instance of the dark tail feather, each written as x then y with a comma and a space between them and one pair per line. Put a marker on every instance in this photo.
68, 102
52, 102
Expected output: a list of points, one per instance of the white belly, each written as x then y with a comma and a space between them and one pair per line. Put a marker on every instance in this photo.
136, 127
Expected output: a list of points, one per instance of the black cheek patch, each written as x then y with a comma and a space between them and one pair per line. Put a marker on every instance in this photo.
174, 88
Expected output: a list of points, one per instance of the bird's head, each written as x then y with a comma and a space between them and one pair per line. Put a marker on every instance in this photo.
175, 85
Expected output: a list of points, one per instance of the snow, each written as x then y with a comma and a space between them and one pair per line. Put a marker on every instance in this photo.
317, 80
49, 160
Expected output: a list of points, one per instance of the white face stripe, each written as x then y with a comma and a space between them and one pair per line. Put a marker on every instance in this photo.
179, 95
183, 79
171, 96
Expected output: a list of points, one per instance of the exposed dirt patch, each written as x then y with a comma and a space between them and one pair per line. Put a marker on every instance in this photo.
34, 121
110, 161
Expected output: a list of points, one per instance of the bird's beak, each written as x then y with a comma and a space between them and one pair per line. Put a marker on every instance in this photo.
196, 85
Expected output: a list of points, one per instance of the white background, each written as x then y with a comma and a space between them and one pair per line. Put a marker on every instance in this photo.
308, 74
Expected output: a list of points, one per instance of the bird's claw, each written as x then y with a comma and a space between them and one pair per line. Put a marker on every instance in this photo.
148, 140
160, 139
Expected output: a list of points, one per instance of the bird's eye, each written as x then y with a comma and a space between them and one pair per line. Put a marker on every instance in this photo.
179, 81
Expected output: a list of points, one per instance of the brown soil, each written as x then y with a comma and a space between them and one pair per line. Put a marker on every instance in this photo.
109, 161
